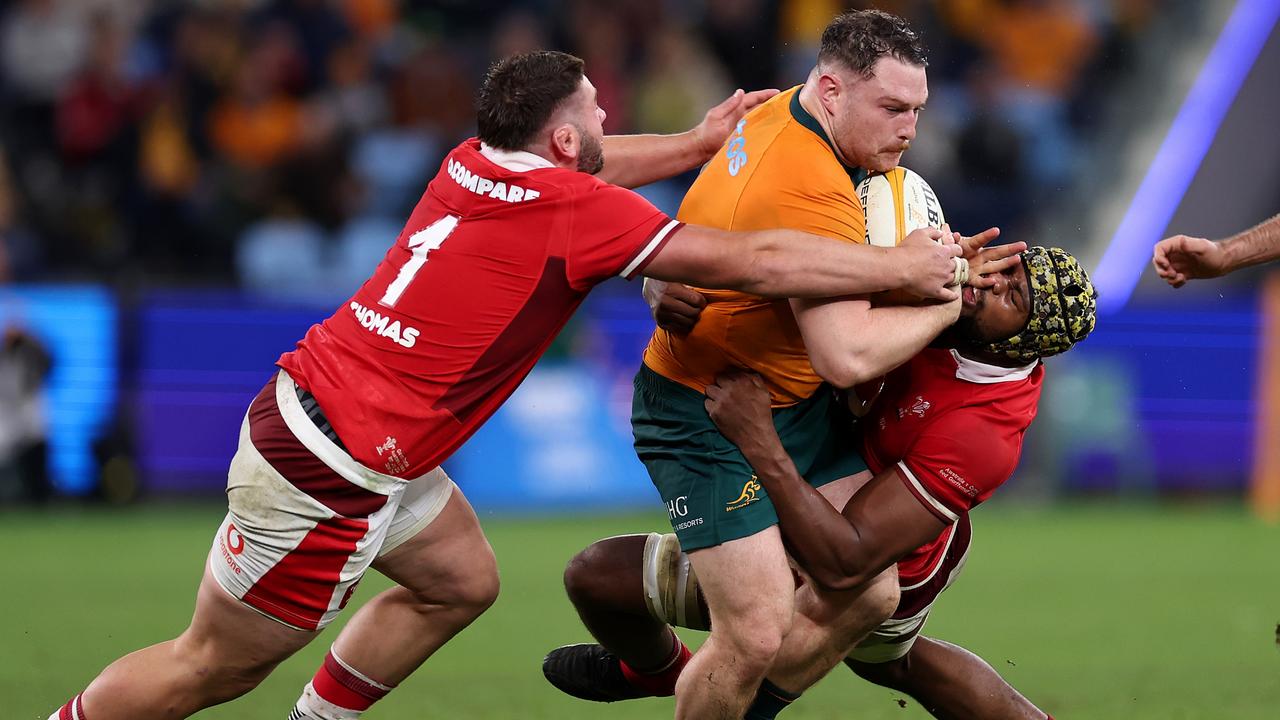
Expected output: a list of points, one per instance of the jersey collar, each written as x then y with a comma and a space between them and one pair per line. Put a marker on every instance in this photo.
973, 371
803, 117
514, 160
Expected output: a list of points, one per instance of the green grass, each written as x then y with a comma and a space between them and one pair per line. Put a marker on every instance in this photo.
1093, 612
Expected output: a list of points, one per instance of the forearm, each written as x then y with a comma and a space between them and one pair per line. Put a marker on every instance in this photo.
895, 334
850, 341
634, 160
791, 264
820, 539
1258, 244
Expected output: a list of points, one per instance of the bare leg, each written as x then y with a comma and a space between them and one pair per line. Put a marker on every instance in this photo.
828, 626
447, 577
226, 652
951, 683
605, 583
750, 593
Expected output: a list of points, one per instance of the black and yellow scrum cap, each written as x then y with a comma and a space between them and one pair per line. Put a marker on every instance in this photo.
1064, 306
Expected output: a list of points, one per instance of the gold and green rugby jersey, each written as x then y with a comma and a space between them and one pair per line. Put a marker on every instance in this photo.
777, 170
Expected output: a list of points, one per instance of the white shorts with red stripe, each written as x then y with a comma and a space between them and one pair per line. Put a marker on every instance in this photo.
894, 637
306, 520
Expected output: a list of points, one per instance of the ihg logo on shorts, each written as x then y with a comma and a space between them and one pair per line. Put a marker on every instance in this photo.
678, 509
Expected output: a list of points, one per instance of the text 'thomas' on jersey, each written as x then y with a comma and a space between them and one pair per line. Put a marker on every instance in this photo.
499, 252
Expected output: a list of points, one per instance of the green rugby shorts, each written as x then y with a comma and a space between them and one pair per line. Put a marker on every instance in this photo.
712, 494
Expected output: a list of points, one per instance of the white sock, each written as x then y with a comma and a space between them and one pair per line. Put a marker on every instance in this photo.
311, 706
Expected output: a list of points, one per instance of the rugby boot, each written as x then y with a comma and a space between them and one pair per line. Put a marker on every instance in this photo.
590, 672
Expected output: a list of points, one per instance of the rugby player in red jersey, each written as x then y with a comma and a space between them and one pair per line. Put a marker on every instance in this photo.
338, 463
942, 433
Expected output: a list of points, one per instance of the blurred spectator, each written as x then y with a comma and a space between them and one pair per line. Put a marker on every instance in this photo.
149, 138
393, 166
677, 84
354, 102
743, 35
447, 109
361, 245
1040, 47
516, 33
600, 38
96, 107
168, 161
319, 28
282, 255
259, 122
24, 366
989, 153
19, 252
42, 45
372, 19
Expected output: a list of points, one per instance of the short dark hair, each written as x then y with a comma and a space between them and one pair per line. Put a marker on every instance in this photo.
520, 93
857, 39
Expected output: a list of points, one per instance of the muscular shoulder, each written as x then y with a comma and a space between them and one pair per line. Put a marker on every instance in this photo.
778, 173
800, 161
801, 185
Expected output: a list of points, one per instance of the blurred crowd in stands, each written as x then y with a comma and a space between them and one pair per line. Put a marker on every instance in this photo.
280, 143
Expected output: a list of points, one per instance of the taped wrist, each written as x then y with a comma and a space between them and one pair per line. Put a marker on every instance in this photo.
961, 271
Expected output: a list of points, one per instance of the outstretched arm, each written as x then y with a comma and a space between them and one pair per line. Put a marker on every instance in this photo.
791, 264
676, 307
1181, 258
634, 160
840, 551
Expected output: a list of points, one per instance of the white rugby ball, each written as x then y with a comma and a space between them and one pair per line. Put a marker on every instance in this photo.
896, 203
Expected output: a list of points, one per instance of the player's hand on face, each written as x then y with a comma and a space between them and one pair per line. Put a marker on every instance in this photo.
722, 119
985, 263
930, 264
739, 405
675, 307
1181, 258
973, 244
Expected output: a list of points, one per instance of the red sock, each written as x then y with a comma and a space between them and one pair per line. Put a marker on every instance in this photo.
73, 710
661, 682
335, 683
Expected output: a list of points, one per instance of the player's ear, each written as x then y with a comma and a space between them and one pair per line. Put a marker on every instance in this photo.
830, 87
566, 142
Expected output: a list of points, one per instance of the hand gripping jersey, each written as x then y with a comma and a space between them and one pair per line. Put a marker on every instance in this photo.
499, 252
952, 428
777, 171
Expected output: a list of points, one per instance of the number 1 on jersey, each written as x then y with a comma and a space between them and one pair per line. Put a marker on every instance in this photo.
421, 243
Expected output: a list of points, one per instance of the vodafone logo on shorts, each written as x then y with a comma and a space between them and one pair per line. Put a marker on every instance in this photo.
230, 545
235, 541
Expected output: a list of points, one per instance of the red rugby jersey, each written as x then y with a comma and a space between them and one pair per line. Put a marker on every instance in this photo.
952, 428
499, 252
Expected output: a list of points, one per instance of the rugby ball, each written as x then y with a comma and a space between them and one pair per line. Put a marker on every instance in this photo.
896, 203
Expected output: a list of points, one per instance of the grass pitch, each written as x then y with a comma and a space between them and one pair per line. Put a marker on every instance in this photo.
1093, 612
